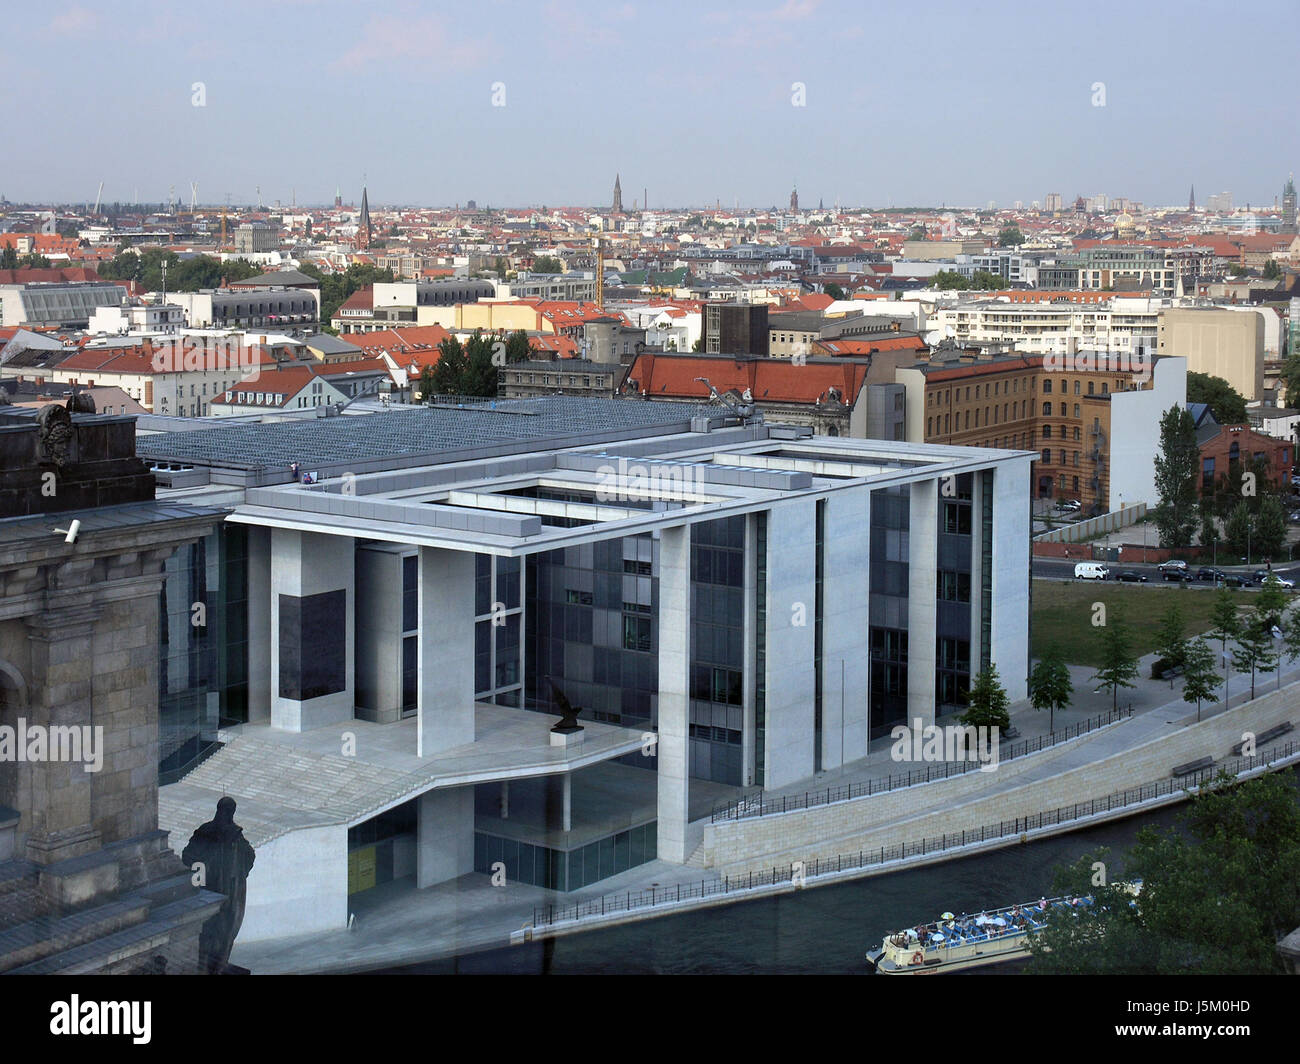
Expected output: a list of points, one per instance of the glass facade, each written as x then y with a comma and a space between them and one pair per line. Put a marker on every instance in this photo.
202, 648
498, 629
887, 607
717, 649
590, 618
554, 869
953, 592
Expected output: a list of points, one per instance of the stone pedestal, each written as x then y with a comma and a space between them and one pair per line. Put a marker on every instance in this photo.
567, 740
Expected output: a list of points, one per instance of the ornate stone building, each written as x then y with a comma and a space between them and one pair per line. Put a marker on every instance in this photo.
88, 883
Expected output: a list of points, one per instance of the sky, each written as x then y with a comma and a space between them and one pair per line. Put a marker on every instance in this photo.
542, 103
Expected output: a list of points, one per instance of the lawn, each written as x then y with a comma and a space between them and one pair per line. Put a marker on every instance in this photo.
1063, 614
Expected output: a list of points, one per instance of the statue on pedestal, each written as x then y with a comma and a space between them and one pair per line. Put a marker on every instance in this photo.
227, 858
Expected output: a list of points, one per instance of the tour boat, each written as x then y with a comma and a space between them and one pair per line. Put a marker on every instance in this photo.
954, 943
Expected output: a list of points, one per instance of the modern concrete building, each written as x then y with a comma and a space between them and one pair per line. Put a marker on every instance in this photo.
1218, 341
63, 305
731, 605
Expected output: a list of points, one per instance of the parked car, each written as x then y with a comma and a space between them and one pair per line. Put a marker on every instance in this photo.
1234, 580
1130, 577
1176, 574
1090, 571
1207, 574
1173, 563
1262, 576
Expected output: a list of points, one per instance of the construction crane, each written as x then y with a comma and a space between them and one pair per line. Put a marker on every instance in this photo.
600, 272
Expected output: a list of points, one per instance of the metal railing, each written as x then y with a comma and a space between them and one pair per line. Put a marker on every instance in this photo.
631, 900
755, 804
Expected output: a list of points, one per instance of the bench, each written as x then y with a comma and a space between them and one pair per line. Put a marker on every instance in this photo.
1169, 674
1265, 737
1188, 767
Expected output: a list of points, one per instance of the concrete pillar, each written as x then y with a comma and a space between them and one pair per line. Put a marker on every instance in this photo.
748, 736
445, 842
568, 801
304, 567
1010, 619
922, 627
845, 627
674, 691
505, 799
792, 603
446, 650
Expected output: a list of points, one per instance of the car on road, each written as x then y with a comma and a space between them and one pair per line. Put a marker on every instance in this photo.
1208, 574
1262, 576
1235, 580
1172, 564
1090, 571
1176, 574
1069, 505
1130, 577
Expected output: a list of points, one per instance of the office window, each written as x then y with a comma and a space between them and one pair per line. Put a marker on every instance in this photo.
1047, 387
1047, 455
1047, 432
1047, 408
1076, 387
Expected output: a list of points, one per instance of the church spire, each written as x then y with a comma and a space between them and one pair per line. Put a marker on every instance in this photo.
363, 229
618, 196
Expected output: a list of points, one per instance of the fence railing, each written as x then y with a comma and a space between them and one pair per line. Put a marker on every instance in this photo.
631, 900
755, 804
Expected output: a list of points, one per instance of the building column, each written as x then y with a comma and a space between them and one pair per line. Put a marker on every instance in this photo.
568, 801
674, 691
505, 799
60, 689
846, 651
922, 623
1011, 545
313, 599
446, 651
791, 631
259, 624
444, 835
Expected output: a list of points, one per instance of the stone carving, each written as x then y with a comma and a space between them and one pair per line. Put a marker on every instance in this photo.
568, 722
55, 435
81, 403
227, 858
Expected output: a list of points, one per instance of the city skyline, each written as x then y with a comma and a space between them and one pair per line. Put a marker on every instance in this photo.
529, 106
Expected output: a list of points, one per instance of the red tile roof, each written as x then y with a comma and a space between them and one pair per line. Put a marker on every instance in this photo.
769, 380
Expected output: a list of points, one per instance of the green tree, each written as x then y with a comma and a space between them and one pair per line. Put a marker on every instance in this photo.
1238, 529
1171, 637
1049, 684
949, 280
33, 261
547, 264
448, 375
1253, 647
1225, 623
1227, 405
1238, 270
1118, 662
1291, 376
9, 258
426, 383
1270, 526
1184, 921
480, 374
1177, 465
982, 280
1011, 237
834, 291
518, 347
988, 702
1200, 678
1272, 271
1209, 535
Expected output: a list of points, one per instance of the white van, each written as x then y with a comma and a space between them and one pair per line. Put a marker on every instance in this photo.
1091, 571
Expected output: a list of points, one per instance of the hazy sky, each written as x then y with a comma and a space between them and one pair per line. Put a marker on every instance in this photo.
955, 103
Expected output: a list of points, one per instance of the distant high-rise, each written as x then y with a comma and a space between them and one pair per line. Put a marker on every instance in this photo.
618, 196
1052, 202
794, 199
363, 226
1289, 205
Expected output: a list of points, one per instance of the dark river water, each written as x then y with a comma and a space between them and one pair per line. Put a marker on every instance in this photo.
822, 930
